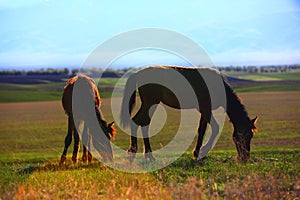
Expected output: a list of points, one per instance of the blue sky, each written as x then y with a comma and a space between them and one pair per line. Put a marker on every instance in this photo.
38, 33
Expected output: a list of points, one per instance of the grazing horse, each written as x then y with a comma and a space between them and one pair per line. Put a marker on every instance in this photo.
152, 94
86, 104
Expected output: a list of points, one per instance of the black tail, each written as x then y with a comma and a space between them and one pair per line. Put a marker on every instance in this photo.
128, 100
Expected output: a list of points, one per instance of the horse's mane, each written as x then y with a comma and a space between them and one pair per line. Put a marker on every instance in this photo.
235, 108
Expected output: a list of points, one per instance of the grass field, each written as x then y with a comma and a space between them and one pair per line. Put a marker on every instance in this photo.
12, 92
33, 126
292, 76
31, 142
51, 91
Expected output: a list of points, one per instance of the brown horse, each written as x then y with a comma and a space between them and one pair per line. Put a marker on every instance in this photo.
82, 107
152, 94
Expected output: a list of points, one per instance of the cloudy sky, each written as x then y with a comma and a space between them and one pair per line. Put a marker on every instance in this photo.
36, 33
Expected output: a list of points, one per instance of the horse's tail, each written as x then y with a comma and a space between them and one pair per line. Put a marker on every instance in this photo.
128, 100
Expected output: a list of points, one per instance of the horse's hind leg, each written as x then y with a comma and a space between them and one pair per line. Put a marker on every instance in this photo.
142, 119
85, 142
76, 145
68, 141
201, 131
84, 154
90, 156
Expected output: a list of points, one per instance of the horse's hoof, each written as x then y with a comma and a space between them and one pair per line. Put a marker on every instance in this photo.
131, 152
132, 149
90, 158
131, 156
75, 158
84, 158
196, 154
203, 152
203, 158
149, 157
63, 159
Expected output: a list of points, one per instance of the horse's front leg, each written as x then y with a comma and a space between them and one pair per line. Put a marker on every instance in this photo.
86, 156
133, 142
201, 131
209, 145
90, 157
86, 140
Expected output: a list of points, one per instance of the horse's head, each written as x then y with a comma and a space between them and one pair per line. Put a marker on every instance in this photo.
242, 139
109, 131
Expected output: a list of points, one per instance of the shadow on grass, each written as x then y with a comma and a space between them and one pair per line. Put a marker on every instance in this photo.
28, 170
54, 165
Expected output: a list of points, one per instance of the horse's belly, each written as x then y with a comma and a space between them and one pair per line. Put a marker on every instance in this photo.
185, 101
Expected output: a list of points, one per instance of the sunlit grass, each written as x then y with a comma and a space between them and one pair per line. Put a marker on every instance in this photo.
32, 139
271, 174
267, 76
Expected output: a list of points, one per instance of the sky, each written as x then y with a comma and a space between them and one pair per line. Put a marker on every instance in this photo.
49, 33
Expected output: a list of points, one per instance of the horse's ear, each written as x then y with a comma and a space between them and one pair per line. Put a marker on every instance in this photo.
113, 130
111, 124
253, 121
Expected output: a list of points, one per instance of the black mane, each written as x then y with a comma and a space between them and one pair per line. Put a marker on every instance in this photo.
235, 109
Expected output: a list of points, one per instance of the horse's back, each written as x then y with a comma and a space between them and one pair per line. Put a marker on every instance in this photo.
67, 98
173, 84
86, 91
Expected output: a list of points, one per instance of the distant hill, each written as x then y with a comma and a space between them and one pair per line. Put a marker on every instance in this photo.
32, 79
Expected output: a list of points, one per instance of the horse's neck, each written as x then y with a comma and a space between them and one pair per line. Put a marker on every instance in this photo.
236, 110
239, 119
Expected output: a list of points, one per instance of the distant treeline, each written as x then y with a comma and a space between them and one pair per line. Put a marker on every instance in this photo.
64, 72
48, 71
120, 72
261, 69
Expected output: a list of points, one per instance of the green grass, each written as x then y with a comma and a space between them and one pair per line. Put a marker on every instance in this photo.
272, 87
32, 138
49, 91
32, 135
295, 76
7, 96
269, 174
110, 82
35, 94
53, 91
221, 164
47, 86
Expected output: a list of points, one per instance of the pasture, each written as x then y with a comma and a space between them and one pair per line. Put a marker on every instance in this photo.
31, 142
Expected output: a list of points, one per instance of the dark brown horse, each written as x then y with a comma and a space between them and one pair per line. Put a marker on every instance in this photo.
82, 112
152, 94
